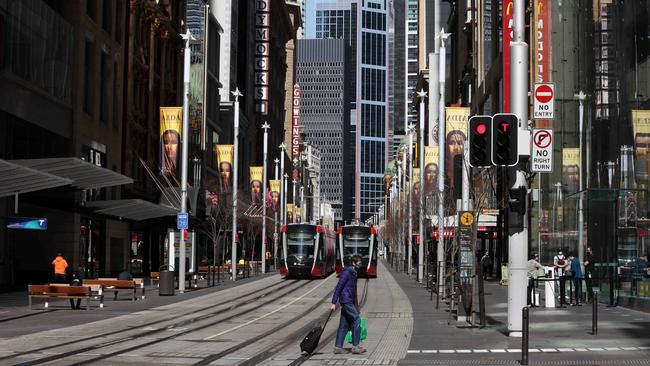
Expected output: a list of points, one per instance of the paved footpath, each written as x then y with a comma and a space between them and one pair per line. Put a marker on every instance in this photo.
557, 336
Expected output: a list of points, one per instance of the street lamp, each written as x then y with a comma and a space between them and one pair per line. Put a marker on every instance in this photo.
233, 254
421, 95
265, 127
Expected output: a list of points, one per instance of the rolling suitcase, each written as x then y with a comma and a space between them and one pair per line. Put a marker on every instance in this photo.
310, 342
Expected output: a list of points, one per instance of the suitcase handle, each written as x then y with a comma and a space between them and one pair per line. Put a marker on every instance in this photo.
328, 318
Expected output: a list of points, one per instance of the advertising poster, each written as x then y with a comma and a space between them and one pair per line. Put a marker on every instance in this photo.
256, 178
430, 169
225, 161
456, 119
170, 139
290, 213
570, 168
275, 195
416, 184
641, 130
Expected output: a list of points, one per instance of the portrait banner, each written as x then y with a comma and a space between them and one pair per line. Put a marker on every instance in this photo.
171, 119
571, 168
456, 119
290, 213
416, 183
641, 130
275, 194
430, 169
256, 179
225, 161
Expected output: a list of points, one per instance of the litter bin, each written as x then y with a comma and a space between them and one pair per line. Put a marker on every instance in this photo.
166, 281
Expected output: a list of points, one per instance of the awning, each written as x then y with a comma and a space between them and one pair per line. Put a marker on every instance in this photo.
80, 173
18, 179
132, 209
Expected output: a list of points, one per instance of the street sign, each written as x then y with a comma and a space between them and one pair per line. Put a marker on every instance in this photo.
544, 96
182, 221
542, 159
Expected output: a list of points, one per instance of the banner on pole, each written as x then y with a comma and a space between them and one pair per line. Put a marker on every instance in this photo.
171, 119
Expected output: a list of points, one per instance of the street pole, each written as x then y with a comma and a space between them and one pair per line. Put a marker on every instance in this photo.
265, 127
441, 162
421, 94
434, 78
285, 177
411, 128
283, 185
184, 155
233, 254
275, 221
293, 196
581, 218
204, 119
518, 224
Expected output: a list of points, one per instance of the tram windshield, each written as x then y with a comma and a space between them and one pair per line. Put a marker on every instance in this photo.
356, 243
301, 244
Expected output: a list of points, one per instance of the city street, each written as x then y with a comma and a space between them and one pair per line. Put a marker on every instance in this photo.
262, 321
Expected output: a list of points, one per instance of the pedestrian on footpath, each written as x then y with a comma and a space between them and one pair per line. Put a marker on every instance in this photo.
60, 266
533, 267
589, 272
576, 276
560, 265
346, 294
486, 263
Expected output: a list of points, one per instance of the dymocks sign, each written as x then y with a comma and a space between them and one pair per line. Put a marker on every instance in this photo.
262, 36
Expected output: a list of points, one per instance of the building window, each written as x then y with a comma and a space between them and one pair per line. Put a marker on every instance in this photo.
104, 93
88, 77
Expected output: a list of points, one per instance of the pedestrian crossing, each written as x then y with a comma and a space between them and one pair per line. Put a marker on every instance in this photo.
531, 350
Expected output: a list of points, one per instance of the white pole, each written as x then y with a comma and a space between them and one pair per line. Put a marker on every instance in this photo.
434, 77
410, 227
421, 94
441, 163
404, 198
184, 156
581, 218
283, 182
233, 254
276, 162
518, 232
206, 34
285, 177
265, 127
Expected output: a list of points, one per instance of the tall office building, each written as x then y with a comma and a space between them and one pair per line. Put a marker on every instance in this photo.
321, 73
364, 25
411, 59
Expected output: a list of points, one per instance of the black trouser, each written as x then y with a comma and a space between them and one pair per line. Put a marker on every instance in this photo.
589, 284
562, 290
59, 278
529, 294
485, 271
72, 305
577, 284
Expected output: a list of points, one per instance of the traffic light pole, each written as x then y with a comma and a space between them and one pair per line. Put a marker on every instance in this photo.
518, 223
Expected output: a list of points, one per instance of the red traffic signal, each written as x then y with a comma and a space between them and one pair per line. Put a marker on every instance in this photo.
479, 141
504, 139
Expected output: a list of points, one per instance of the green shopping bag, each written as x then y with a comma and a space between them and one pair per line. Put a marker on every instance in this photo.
364, 332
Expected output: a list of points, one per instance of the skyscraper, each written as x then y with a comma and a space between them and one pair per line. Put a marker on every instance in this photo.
325, 110
365, 26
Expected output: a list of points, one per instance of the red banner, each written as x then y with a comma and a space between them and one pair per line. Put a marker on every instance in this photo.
542, 49
508, 11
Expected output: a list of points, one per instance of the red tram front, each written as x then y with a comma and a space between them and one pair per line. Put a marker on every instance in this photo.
358, 240
307, 251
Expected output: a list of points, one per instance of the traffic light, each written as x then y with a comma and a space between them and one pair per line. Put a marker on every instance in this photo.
517, 200
504, 140
479, 141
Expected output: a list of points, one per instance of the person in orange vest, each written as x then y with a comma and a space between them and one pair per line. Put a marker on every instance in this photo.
60, 266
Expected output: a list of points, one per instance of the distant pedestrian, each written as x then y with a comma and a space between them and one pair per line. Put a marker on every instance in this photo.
576, 276
589, 272
125, 276
486, 264
560, 266
346, 294
60, 266
533, 267
76, 281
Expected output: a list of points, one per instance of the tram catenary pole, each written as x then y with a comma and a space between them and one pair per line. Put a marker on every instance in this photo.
184, 156
265, 150
275, 217
235, 168
411, 129
441, 163
422, 95
518, 223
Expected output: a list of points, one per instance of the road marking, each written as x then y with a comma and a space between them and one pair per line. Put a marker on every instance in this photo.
513, 350
498, 351
530, 350
596, 349
429, 351
549, 350
413, 351
565, 349
481, 351
446, 351
463, 351
269, 313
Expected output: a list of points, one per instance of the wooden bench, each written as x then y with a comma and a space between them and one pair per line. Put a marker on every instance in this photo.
116, 286
61, 291
139, 283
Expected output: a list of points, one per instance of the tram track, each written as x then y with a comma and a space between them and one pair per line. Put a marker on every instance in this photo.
297, 336
268, 291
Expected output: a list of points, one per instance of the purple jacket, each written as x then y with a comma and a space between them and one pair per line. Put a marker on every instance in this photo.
346, 289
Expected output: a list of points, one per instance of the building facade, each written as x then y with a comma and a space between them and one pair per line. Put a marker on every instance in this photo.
321, 73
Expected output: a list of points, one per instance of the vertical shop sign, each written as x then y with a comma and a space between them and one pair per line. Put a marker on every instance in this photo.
542, 49
262, 36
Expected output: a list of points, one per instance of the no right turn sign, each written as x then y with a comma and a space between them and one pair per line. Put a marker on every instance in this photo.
542, 158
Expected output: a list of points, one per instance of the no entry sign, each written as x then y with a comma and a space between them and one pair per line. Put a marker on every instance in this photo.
543, 106
542, 158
